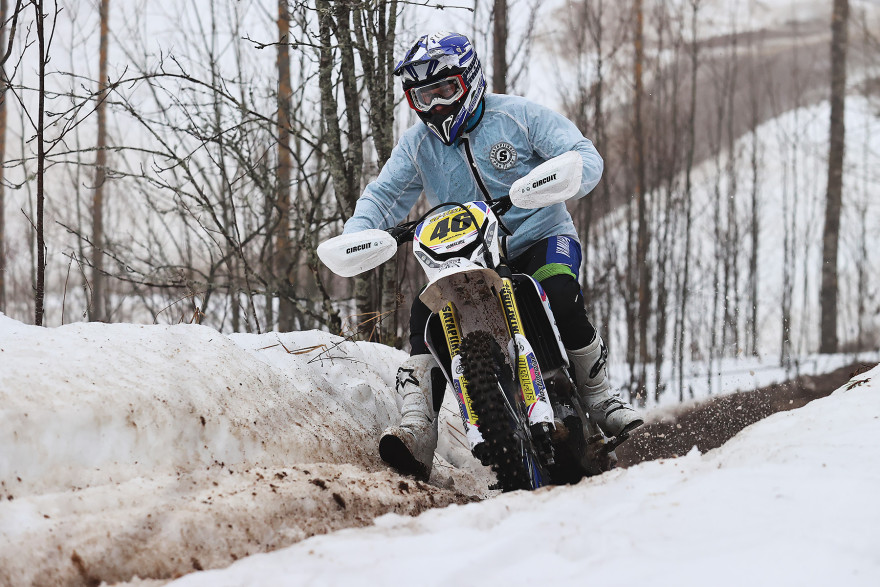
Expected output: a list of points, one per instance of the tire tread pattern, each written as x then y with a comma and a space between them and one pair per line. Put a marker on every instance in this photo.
483, 363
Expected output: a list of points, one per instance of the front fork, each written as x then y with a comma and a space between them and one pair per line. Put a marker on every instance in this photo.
452, 334
531, 382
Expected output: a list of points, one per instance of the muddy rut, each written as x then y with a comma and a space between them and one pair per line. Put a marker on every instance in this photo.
711, 423
208, 519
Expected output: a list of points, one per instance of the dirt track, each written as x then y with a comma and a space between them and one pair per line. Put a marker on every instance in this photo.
710, 424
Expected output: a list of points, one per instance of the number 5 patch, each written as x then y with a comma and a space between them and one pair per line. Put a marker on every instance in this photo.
502, 156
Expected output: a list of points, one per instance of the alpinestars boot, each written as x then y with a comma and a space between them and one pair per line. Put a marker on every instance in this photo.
612, 414
409, 447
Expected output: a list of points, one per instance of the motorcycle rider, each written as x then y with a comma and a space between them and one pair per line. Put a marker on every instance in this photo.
471, 142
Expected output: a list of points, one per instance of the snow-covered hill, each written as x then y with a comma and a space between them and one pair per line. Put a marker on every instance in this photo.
162, 450
790, 185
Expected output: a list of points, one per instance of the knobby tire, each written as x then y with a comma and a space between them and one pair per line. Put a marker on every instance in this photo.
483, 363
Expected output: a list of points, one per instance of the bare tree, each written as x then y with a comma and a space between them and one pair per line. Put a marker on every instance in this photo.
789, 213
8, 24
374, 32
284, 262
641, 258
684, 282
499, 47
585, 104
3, 9
369, 30
864, 335
44, 42
754, 225
51, 123
345, 152
730, 329
98, 307
666, 156
831, 233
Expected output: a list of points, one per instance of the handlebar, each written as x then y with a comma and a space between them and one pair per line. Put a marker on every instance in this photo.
402, 232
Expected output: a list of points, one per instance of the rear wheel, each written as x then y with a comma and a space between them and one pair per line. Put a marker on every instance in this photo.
507, 445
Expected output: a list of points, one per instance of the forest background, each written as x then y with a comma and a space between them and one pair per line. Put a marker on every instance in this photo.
180, 161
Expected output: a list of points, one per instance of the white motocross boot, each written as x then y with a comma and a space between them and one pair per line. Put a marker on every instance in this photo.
409, 447
612, 414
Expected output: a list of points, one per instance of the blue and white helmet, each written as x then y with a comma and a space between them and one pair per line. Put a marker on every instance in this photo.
443, 82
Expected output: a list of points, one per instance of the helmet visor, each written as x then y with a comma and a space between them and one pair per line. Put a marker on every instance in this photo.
437, 93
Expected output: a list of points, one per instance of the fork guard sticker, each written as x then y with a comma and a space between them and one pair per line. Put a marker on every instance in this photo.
531, 381
459, 386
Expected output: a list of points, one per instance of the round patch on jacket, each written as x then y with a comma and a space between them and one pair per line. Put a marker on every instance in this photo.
502, 156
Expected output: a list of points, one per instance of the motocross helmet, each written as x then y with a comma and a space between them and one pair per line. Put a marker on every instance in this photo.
443, 82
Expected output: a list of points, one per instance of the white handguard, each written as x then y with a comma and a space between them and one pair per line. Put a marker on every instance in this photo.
551, 182
347, 255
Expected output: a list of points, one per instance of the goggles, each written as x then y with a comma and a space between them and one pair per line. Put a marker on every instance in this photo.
438, 93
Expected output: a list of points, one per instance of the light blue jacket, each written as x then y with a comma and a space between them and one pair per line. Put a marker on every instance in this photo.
514, 136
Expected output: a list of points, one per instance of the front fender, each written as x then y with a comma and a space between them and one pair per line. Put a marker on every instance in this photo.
445, 285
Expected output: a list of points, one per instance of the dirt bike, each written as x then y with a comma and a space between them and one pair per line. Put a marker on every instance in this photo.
493, 334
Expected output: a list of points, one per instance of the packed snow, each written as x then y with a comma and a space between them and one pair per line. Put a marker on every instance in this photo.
163, 450
791, 500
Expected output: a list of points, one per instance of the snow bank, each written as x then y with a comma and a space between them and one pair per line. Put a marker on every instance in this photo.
791, 500
89, 403
161, 450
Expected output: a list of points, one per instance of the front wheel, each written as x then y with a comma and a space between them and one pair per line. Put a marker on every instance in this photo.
500, 416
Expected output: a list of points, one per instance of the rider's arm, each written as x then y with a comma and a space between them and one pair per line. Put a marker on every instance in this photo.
388, 199
552, 134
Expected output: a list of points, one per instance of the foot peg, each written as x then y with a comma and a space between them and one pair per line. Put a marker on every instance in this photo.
616, 441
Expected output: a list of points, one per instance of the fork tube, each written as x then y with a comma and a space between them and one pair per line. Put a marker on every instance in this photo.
528, 371
452, 334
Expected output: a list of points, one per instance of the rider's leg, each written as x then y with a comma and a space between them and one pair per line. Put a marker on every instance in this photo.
409, 447
418, 322
555, 263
